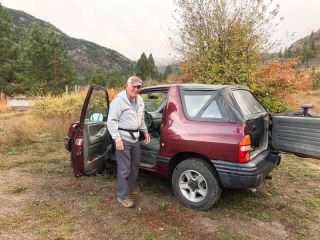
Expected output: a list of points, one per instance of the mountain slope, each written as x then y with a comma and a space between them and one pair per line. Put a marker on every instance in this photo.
86, 55
297, 47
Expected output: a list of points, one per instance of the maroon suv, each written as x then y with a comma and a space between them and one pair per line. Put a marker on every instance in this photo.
203, 137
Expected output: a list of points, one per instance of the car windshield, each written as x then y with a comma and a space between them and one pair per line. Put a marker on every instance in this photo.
248, 103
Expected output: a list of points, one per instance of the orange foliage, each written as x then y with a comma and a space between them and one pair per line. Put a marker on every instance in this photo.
4, 107
279, 75
112, 92
285, 76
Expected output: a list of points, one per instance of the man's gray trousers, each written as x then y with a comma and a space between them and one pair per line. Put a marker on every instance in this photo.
128, 161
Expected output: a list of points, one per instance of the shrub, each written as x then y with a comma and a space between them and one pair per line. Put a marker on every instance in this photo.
316, 82
64, 106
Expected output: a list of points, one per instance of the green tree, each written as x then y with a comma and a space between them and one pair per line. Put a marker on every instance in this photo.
290, 53
312, 45
9, 66
316, 81
99, 77
306, 54
308, 49
152, 69
141, 69
220, 41
45, 61
280, 53
116, 79
168, 71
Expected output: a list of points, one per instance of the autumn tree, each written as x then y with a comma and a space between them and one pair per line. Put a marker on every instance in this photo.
220, 41
275, 81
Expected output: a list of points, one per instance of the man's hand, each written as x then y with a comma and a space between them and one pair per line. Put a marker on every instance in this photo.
146, 137
119, 145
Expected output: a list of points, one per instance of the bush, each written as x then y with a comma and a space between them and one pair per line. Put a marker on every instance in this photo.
64, 106
274, 105
316, 82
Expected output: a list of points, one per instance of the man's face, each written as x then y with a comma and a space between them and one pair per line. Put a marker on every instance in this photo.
132, 91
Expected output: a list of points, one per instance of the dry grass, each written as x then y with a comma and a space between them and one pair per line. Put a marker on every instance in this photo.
30, 129
4, 108
298, 98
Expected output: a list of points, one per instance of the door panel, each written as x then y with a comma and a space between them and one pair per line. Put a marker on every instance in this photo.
92, 143
299, 135
97, 144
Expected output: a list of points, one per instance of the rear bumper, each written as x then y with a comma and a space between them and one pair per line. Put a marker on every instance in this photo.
247, 175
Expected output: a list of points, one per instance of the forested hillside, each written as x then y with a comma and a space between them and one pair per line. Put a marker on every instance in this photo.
86, 56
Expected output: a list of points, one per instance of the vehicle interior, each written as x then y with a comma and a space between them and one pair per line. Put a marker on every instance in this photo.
154, 106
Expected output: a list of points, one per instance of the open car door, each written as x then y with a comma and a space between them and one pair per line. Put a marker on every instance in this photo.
91, 141
297, 134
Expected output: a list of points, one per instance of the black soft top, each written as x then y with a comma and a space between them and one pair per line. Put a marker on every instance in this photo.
223, 95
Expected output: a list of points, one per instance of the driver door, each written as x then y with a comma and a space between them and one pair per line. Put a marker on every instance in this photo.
91, 142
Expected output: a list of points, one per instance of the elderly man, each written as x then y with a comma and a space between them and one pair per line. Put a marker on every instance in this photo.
125, 120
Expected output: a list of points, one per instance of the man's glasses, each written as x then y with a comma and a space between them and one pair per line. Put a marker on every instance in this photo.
137, 87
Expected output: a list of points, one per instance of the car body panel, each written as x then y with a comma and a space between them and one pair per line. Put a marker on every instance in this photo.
215, 140
297, 134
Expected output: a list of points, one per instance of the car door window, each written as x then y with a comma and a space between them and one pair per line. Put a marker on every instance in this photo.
154, 101
97, 107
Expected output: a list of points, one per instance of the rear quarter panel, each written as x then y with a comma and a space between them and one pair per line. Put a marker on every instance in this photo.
214, 140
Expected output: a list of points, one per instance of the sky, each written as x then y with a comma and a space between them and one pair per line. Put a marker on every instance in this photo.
135, 26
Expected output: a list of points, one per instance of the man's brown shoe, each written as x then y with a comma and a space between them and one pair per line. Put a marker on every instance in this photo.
128, 203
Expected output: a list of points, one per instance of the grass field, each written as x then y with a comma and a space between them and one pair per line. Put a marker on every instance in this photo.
41, 199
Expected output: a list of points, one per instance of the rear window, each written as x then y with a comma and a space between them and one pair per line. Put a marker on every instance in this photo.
248, 103
201, 106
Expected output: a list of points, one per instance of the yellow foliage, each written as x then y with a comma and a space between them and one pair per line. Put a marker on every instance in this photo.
66, 105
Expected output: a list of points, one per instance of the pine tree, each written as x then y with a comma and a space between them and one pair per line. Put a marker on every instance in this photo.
99, 77
152, 69
167, 72
141, 68
312, 45
116, 79
280, 53
8, 55
45, 61
289, 53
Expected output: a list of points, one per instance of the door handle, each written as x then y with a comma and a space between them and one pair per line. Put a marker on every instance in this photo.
102, 132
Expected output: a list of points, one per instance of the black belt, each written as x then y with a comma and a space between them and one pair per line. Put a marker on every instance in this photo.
130, 131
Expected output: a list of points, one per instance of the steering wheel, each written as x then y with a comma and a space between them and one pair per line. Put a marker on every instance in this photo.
148, 120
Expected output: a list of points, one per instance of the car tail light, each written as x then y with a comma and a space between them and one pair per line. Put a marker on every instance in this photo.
244, 149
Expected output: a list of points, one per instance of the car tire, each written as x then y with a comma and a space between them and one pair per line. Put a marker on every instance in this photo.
196, 184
